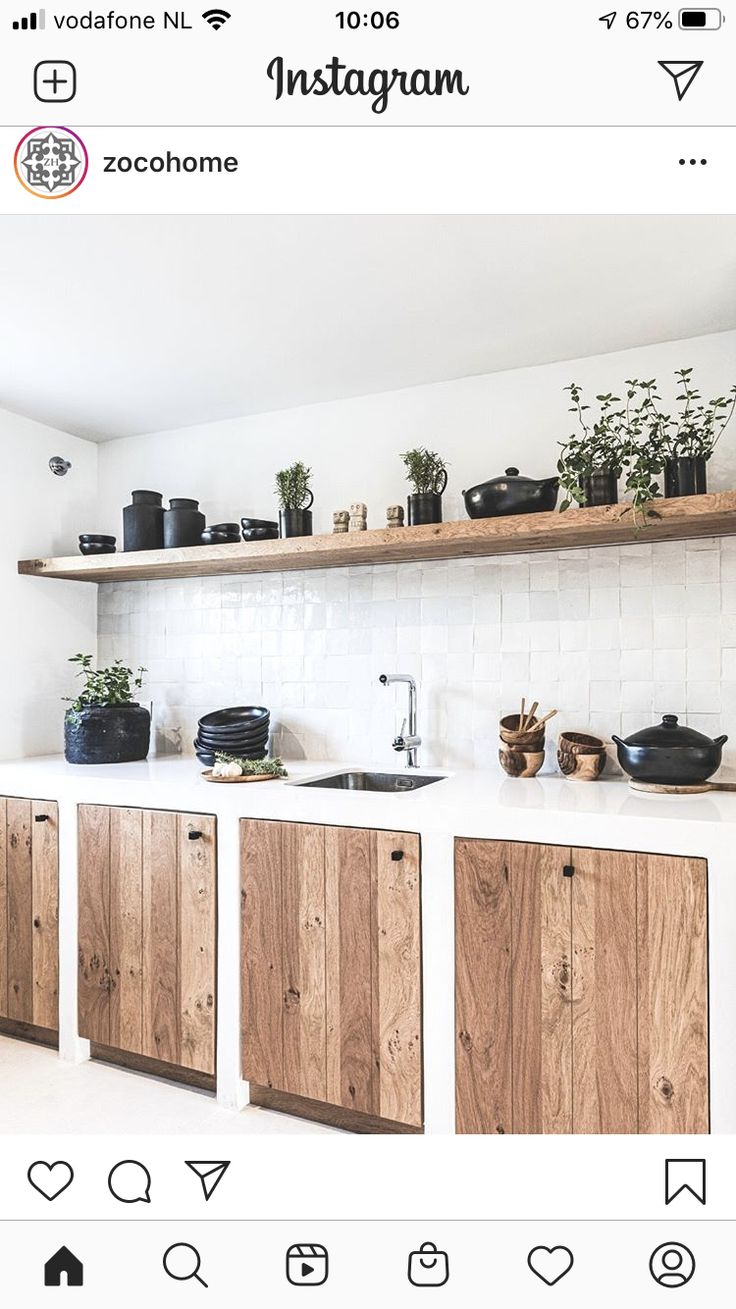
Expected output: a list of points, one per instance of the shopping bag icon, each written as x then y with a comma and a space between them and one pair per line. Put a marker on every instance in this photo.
428, 1266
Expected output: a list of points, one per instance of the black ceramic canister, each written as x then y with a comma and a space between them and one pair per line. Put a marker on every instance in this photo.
143, 522
183, 523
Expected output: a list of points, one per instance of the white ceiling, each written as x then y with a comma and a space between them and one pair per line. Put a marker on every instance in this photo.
116, 326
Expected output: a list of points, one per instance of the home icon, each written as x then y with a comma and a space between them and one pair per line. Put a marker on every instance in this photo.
63, 1267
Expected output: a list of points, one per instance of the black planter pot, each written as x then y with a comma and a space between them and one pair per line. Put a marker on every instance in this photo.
295, 522
183, 524
685, 475
424, 508
600, 488
107, 734
143, 522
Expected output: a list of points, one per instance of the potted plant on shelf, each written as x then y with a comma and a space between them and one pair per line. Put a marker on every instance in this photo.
688, 440
104, 724
426, 472
295, 500
592, 462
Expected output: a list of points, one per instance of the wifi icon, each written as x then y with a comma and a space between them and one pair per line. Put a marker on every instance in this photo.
216, 18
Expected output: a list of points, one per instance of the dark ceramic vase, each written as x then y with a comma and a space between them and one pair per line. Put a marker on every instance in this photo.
107, 734
424, 508
295, 522
685, 475
143, 522
183, 524
600, 488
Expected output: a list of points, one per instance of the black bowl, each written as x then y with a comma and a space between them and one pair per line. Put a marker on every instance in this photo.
231, 529
237, 733
208, 756
248, 523
247, 716
211, 536
97, 536
260, 534
234, 746
96, 548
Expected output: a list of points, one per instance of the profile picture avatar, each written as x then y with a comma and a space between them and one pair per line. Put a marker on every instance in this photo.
51, 162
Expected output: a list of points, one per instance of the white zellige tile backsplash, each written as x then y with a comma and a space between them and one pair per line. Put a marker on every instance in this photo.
612, 637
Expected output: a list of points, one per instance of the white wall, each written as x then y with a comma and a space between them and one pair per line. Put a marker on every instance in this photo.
44, 622
481, 424
612, 637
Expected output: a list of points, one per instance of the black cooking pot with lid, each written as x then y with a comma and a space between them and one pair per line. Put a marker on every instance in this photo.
511, 494
669, 754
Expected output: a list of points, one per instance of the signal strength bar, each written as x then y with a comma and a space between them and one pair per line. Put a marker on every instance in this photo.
34, 22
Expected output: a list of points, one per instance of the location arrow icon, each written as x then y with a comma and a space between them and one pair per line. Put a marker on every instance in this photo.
608, 19
210, 1173
683, 73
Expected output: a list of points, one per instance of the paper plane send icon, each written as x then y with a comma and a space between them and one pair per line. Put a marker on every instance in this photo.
682, 72
210, 1173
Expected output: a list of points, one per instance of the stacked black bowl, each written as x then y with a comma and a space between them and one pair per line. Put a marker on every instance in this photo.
241, 731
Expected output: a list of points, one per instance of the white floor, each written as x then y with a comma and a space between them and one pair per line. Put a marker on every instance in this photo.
41, 1093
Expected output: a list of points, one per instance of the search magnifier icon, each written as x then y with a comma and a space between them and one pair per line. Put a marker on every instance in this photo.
182, 1262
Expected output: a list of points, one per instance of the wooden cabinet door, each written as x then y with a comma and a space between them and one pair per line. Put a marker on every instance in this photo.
332, 966
147, 933
581, 990
29, 912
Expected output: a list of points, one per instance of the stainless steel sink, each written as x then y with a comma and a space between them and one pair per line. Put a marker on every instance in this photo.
355, 780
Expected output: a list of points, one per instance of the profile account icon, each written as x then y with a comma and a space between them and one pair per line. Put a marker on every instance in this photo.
672, 1264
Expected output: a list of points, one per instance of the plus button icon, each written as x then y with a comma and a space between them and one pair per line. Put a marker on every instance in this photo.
55, 81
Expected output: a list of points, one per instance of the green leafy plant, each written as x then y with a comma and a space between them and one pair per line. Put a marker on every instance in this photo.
699, 426
248, 767
598, 446
104, 687
293, 486
425, 470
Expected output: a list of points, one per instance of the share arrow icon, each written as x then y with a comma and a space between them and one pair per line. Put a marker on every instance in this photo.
209, 1172
683, 73
608, 19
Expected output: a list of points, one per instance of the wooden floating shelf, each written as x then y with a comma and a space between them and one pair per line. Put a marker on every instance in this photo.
667, 520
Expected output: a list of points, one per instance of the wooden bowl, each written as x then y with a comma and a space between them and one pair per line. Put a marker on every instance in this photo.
532, 739
580, 743
520, 763
582, 767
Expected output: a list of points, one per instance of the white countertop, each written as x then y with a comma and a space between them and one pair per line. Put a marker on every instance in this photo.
465, 803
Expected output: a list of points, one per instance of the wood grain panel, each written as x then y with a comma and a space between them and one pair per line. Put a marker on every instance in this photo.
45, 912
262, 1038
20, 911
542, 990
604, 992
126, 921
483, 1101
161, 1038
672, 520
3, 908
350, 929
197, 941
398, 918
305, 1017
673, 994
95, 978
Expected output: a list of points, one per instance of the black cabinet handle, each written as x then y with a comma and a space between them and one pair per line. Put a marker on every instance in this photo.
41, 818
568, 871
195, 836
397, 856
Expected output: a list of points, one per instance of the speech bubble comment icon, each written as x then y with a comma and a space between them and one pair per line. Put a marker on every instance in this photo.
130, 1182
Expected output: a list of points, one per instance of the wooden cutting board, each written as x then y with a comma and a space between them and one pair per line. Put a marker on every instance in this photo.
249, 777
656, 788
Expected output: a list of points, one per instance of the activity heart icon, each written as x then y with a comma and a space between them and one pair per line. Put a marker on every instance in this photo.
50, 1179
550, 1265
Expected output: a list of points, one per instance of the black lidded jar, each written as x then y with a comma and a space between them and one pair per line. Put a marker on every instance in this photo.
183, 523
143, 522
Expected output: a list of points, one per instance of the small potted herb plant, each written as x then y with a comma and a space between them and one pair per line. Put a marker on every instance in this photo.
295, 500
592, 460
104, 724
688, 440
426, 472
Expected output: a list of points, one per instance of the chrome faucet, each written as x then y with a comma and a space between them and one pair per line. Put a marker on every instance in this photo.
409, 742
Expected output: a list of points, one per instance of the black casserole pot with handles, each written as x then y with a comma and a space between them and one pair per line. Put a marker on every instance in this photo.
511, 494
669, 754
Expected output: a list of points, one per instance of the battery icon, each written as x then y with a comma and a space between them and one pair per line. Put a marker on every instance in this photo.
700, 20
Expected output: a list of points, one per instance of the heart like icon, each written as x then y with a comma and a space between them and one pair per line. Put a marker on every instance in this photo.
550, 1265
50, 1179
